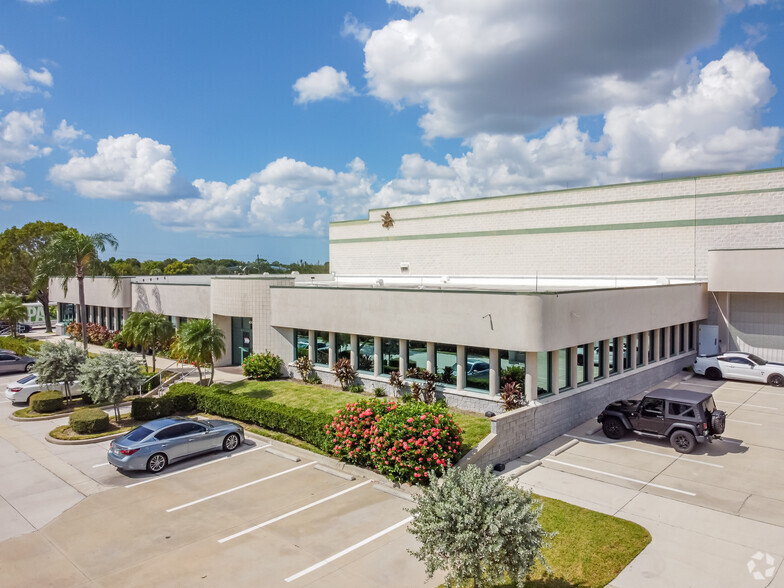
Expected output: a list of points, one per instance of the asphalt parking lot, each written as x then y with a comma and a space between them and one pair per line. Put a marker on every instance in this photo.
247, 517
737, 485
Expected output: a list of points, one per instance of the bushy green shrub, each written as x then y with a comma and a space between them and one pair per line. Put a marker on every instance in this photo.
304, 366
147, 409
513, 374
356, 388
46, 401
413, 441
344, 372
297, 422
349, 432
88, 421
379, 391
20, 345
262, 366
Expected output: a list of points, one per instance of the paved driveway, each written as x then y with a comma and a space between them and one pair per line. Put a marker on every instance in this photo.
709, 512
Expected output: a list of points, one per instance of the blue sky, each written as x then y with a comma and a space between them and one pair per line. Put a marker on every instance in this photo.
231, 129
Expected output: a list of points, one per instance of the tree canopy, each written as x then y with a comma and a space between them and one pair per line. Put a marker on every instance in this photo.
60, 363
12, 310
149, 330
202, 342
110, 377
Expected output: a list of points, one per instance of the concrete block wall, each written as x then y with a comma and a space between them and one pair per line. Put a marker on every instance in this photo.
517, 432
662, 228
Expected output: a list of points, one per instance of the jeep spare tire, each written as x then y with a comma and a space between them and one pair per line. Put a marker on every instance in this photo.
613, 427
718, 422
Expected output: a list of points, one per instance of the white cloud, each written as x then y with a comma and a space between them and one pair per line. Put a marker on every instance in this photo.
506, 66
353, 28
129, 167
15, 78
11, 193
287, 198
709, 125
324, 83
18, 131
65, 133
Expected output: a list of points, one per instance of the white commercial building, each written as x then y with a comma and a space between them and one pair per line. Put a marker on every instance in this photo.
596, 292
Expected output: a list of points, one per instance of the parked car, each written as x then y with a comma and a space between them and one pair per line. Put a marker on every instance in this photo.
737, 365
13, 362
158, 443
23, 388
476, 369
20, 327
684, 417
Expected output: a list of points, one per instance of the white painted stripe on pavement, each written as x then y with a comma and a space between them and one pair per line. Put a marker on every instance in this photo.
201, 465
744, 404
348, 550
230, 490
293, 512
100, 465
644, 483
746, 422
618, 445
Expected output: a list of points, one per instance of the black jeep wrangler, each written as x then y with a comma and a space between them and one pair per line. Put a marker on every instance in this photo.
683, 416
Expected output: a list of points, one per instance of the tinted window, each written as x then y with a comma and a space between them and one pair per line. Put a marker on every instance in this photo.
171, 432
138, 434
27, 379
679, 409
652, 407
6, 357
756, 359
190, 428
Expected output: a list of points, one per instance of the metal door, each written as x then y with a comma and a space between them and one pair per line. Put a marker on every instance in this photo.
708, 340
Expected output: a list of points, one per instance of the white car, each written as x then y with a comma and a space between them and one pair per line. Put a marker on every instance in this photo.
736, 365
24, 388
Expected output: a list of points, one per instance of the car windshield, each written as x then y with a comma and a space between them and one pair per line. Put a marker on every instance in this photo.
710, 405
756, 359
138, 434
27, 379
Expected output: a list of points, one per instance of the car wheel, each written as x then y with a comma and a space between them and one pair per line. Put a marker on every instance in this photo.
29, 367
776, 380
156, 463
683, 441
713, 373
231, 442
613, 428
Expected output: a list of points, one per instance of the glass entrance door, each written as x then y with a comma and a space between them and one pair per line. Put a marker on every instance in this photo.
241, 339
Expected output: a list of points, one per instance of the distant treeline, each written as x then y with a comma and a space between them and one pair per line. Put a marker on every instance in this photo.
195, 266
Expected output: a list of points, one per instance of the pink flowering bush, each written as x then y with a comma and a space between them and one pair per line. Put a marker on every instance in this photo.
350, 430
414, 441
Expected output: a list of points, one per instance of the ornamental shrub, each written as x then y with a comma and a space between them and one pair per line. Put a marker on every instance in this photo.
304, 366
88, 421
147, 409
96, 334
344, 372
349, 433
413, 442
475, 527
262, 366
46, 401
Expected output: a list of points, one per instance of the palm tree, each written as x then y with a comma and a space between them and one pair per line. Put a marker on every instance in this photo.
148, 330
202, 342
69, 254
12, 310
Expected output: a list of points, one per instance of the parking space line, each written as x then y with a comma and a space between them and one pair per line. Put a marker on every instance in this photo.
746, 422
230, 490
745, 404
293, 512
619, 446
162, 476
100, 465
644, 483
780, 394
348, 550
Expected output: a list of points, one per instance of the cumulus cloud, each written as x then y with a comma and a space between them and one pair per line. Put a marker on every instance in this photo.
11, 193
516, 67
321, 84
353, 28
129, 167
19, 132
15, 78
287, 198
711, 124
65, 133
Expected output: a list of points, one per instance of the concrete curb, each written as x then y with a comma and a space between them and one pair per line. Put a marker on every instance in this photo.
84, 441
330, 471
517, 472
59, 415
282, 454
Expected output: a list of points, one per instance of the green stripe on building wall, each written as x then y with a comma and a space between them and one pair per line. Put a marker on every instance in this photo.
702, 222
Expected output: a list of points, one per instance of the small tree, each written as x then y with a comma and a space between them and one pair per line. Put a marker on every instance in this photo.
110, 377
12, 310
396, 382
60, 363
202, 342
304, 366
474, 526
344, 372
149, 330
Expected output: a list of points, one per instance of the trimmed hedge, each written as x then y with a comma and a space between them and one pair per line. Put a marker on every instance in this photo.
147, 409
46, 401
297, 422
88, 421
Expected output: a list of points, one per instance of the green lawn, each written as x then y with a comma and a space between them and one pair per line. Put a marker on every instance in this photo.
590, 549
328, 400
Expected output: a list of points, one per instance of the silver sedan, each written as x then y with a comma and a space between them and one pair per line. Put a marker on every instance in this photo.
158, 443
